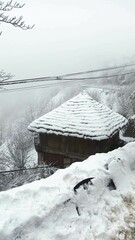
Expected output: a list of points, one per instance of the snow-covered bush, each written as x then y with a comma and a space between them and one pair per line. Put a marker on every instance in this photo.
126, 102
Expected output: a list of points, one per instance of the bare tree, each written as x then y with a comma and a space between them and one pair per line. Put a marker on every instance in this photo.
18, 144
1, 132
6, 7
4, 76
126, 101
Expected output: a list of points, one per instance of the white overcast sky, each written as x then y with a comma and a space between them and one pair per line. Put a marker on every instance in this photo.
69, 36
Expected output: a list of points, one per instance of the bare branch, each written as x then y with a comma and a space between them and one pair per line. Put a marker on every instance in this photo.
14, 21
5, 76
10, 5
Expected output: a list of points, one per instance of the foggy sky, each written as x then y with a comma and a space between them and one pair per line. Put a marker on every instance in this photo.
69, 36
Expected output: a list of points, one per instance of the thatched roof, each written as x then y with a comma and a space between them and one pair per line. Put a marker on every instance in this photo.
81, 117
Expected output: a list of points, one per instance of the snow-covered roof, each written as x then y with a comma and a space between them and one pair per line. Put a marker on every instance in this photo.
81, 117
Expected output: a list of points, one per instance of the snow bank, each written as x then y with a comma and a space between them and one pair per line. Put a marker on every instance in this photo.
49, 209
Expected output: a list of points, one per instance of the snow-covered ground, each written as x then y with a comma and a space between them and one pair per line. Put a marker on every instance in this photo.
50, 209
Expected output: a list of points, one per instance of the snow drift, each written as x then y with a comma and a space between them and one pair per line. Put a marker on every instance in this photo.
49, 209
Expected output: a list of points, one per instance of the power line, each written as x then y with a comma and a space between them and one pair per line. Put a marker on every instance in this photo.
98, 70
30, 80
63, 77
55, 81
25, 169
35, 87
44, 86
64, 81
101, 77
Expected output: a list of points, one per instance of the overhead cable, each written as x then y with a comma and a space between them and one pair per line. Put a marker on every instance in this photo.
99, 70
63, 77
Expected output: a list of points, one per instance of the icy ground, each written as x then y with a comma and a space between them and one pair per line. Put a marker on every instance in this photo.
49, 209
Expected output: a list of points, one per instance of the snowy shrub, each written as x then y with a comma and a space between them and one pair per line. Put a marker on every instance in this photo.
15, 179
